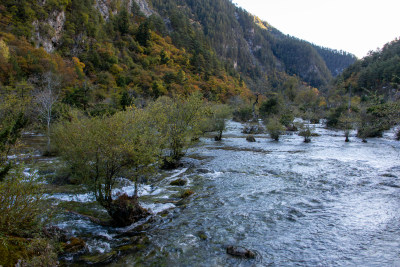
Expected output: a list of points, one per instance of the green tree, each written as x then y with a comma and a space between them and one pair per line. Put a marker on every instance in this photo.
306, 131
275, 128
99, 149
347, 122
219, 114
180, 124
270, 107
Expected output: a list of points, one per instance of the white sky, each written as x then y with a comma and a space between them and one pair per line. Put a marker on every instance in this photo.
354, 26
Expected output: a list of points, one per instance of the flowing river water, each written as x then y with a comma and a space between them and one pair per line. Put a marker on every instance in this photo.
325, 203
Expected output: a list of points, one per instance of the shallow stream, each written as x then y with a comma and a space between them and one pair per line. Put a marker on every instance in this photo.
326, 203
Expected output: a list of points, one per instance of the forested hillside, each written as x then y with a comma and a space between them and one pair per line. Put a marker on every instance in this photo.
104, 55
139, 48
256, 49
378, 72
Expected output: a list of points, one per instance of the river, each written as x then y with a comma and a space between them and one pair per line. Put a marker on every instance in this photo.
325, 203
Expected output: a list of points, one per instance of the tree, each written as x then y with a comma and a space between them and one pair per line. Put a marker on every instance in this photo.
219, 114
306, 131
12, 121
275, 128
45, 99
179, 124
99, 149
347, 123
271, 107
21, 208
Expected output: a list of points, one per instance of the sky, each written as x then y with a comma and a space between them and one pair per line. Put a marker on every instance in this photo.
354, 26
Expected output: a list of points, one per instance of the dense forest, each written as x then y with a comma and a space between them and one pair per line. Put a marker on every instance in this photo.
378, 72
125, 88
256, 49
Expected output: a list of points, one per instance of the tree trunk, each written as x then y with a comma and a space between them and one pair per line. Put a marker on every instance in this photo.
48, 136
255, 116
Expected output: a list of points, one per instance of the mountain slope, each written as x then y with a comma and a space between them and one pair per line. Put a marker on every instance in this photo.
145, 47
105, 52
379, 71
256, 49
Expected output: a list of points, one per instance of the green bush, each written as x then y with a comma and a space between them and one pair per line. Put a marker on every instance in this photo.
21, 213
243, 114
275, 128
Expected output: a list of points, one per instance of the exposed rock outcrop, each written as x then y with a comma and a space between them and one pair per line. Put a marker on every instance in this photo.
105, 9
144, 7
48, 33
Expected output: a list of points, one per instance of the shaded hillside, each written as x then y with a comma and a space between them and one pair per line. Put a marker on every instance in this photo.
257, 50
335, 60
379, 71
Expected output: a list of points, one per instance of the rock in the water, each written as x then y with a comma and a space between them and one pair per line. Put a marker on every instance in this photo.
187, 193
240, 252
99, 259
250, 138
202, 235
202, 171
179, 182
253, 129
292, 128
74, 245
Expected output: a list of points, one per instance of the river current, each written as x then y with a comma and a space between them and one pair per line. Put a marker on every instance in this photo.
325, 203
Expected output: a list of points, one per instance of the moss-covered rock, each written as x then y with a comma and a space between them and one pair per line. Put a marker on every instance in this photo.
250, 139
74, 245
240, 252
99, 259
187, 193
179, 182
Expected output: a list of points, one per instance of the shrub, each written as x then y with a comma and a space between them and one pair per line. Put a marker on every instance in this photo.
20, 199
21, 226
287, 118
275, 128
271, 107
243, 114
306, 131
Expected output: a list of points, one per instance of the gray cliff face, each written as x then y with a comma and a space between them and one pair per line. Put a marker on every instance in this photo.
48, 33
144, 7
104, 7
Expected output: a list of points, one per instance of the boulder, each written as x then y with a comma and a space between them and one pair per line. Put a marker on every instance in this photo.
74, 245
240, 252
253, 129
202, 171
250, 138
179, 182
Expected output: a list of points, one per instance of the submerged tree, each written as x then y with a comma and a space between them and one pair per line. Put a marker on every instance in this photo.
179, 123
100, 149
347, 123
306, 131
219, 115
275, 128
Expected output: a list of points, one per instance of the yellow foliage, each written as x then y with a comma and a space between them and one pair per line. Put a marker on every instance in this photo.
4, 50
116, 69
78, 65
